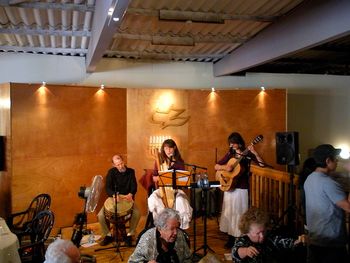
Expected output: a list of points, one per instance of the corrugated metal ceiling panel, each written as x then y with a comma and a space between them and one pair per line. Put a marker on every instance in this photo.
185, 30
183, 27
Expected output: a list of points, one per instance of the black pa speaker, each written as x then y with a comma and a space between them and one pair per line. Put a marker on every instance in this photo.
287, 148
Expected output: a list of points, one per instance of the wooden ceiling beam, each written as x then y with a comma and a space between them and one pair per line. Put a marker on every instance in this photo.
104, 25
194, 16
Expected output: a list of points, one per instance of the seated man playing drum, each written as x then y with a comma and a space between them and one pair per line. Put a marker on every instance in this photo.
121, 188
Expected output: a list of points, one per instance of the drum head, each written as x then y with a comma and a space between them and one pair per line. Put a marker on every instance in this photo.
123, 210
124, 207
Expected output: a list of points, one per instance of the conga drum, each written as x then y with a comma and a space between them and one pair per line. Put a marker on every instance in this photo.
118, 213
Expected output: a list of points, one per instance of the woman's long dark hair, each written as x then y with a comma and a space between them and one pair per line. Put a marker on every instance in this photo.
171, 144
235, 137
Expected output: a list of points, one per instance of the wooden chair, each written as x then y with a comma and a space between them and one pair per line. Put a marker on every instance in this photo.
36, 234
18, 222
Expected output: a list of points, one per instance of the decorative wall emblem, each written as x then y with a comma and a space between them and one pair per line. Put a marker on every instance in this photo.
169, 117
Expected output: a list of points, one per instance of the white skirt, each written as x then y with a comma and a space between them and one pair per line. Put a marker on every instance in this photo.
182, 205
235, 203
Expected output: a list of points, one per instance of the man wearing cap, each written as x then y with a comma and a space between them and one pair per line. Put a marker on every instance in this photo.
326, 204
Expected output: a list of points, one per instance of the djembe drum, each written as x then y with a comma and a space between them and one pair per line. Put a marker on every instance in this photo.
118, 214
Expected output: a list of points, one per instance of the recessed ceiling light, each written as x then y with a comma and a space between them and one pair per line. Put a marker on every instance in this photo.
110, 11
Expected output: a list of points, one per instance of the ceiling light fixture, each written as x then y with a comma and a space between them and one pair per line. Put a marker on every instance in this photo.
213, 89
102, 86
262, 88
110, 11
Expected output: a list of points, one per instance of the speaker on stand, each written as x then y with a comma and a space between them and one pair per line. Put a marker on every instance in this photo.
287, 153
287, 148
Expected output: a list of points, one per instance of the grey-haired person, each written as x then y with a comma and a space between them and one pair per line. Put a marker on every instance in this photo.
163, 243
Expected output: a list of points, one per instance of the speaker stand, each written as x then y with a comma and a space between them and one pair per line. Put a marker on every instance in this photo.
290, 212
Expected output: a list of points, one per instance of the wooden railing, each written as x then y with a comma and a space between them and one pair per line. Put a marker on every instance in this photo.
270, 190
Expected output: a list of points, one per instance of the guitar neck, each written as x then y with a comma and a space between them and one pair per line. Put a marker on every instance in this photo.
246, 150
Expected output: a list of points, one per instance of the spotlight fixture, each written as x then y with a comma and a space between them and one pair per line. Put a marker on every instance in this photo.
344, 154
43, 84
102, 86
110, 11
213, 89
115, 19
262, 88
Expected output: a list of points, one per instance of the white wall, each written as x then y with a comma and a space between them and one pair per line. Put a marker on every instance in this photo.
320, 116
32, 68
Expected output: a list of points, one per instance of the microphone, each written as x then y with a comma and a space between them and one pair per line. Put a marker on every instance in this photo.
172, 161
232, 151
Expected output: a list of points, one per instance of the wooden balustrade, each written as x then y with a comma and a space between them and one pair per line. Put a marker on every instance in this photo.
270, 189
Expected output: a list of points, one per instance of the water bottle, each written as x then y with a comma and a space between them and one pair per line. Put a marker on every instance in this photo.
92, 238
205, 180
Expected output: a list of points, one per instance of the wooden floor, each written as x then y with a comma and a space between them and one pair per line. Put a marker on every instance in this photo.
215, 241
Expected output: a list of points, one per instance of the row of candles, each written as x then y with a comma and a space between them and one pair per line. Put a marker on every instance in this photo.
156, 141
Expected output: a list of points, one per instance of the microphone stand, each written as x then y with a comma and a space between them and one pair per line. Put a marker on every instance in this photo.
193, 191
205, 245
195, 167
116, 225
194, 186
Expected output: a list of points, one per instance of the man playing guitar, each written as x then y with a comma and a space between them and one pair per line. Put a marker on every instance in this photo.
234, 168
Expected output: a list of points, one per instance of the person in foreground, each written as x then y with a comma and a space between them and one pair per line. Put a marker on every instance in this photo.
62, 251
164, 243
257, 244
326, 204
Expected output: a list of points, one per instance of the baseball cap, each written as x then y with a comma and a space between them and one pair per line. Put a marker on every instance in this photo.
323, 151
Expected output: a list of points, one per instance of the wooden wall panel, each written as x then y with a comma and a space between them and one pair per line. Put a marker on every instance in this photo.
62, 137
5, 130
214, 115
141, 105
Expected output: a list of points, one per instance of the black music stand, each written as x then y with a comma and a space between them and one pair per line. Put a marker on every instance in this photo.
193, 187
205, 187
174, 178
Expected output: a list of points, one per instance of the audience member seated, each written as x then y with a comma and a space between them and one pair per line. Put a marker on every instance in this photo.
257, 244
62, 251
163, 243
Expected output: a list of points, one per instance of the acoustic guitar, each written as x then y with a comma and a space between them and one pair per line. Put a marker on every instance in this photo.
228, 179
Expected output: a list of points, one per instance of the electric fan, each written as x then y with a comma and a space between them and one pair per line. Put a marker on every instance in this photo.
90, 195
